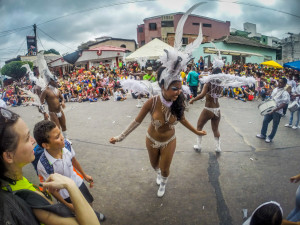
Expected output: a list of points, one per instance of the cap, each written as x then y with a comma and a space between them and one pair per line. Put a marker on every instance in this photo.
149, 68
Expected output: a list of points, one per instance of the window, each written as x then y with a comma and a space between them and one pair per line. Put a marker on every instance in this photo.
267, 58
140, 29
152, 26
185, 41
167, 24
206, 25
196, 24
123, 46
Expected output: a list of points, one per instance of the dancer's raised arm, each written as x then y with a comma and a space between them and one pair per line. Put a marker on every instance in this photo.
201, 95
135, 123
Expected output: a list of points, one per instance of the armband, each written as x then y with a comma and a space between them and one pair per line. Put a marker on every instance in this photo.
42, 109
128, 130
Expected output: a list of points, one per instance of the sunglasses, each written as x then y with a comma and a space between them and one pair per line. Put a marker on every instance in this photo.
6, 116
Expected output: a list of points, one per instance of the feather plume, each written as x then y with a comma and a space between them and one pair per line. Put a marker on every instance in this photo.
142, 61
137, 86
179, 28
38, 81
195, 44
44, 71
35, 97
175, 59
227, 80
186, 90
217, 62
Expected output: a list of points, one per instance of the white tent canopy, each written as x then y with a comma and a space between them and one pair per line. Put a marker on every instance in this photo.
152, 50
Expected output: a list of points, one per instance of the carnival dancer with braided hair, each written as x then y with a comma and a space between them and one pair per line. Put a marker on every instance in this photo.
166, 109
212, 90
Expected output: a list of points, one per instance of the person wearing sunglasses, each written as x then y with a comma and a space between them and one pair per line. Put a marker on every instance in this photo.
16, 151
166, 109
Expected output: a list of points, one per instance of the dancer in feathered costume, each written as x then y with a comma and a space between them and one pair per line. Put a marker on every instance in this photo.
52, 96
212, 90
166, 109
48, 84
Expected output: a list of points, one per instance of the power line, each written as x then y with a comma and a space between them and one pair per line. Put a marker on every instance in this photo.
41, 42
55, 40
95, 8
3, 33
8, 32
258, 6
21, 46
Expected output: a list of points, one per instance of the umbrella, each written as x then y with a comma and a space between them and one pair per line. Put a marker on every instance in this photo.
293, 65
272, 64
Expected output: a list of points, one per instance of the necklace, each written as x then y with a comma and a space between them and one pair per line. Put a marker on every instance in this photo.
164, 101
54, 90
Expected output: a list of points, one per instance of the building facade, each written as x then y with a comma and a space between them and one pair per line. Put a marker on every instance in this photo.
236, 48
291, 48
164, 27
129, 44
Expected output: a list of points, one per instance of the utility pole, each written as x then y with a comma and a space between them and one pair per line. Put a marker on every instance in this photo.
292, 45
35, 41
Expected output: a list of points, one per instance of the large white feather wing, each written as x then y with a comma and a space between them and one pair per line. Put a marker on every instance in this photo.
179, 28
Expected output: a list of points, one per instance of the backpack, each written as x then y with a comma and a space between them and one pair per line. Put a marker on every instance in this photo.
14, 210
40, 155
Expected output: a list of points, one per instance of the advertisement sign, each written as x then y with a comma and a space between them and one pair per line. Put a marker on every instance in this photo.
31, 45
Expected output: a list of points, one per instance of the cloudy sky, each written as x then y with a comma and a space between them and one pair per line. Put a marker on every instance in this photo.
65, 24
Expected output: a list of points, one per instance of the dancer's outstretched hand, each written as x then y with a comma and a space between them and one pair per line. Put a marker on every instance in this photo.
191, 101
201, 132
295, 179
112, 140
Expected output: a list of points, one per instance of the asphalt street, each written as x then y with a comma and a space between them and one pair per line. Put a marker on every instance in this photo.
203, 188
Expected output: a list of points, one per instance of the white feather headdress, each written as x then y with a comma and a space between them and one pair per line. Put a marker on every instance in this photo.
177, 59
37, 80
44, 71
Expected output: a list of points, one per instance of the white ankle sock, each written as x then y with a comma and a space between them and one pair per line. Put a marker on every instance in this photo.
162, 186
198, 146
158, 177
218, 143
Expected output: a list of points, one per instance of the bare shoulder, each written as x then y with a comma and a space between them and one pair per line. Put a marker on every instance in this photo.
148, 104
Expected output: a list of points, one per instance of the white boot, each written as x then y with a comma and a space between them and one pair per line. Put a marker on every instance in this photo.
158, 177
218, 142
162, 187
198, 146
139, 105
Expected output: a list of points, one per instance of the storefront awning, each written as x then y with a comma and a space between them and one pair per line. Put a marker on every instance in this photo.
230, 52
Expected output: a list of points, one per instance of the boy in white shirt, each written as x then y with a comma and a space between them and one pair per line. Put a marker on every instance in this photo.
59, 159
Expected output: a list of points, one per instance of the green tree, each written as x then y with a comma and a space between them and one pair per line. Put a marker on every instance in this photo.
85, 46
15, 70
52, 51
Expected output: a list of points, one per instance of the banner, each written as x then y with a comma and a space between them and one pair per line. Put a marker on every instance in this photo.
31, 45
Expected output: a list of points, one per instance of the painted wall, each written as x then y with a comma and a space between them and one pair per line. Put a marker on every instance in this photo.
235, 47
129, 44
217, 30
